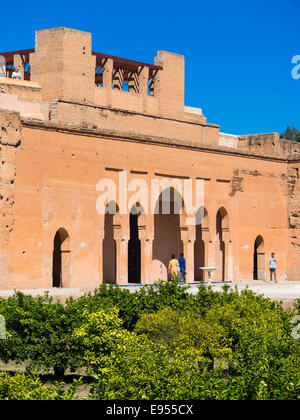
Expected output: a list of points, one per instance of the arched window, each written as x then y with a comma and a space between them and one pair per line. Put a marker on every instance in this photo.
167, 234
202, 225
61, 259
222, 224
109, 258
259, 259
134, 245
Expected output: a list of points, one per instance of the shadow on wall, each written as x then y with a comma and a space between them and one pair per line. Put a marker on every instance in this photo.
199, 246
167, 237
109, 245
61, 259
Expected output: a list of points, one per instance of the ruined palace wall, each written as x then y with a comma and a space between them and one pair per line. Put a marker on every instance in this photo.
23, 97
24, 90
269, 143
55, 186
10, 140
293, 195
63, 65
132, 122
126, 100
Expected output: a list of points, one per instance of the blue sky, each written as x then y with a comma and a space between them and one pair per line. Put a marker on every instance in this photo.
237, 53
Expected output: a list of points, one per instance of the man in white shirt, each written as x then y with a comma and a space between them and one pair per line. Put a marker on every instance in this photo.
272, 264
16, 74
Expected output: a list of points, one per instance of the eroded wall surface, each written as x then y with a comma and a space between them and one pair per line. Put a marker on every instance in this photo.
58, 170
10, 140
293, 192
61, 133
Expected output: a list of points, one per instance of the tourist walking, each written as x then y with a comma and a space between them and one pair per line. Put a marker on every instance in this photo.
182, 268
272, 264
173, 268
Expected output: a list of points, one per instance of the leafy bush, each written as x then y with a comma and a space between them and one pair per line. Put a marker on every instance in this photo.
158, 343
39, 331
30, 387
127, 366
132, 305
186, 333
100, 338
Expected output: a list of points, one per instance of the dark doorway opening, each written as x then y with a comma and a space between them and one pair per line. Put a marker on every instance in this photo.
134, 251
199, 246
167, 234
222, 223
259, 259
109, 262
61, 259
199, 254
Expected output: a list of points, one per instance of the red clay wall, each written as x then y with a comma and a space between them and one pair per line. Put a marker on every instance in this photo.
55, 187
293, 192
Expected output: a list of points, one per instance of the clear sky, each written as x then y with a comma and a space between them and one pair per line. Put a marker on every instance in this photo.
238, 53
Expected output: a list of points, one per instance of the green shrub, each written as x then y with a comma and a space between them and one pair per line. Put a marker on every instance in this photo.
158, 343
30, 387
39, 332
187, 333
127, 366
100, 338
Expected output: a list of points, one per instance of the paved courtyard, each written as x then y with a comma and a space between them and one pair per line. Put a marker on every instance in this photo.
281, 290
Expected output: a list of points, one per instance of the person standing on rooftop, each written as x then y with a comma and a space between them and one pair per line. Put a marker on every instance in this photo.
16, 74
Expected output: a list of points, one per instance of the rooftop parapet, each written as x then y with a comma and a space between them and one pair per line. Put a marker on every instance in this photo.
22, 96
18, 59
64, 64
84, 88
269, 143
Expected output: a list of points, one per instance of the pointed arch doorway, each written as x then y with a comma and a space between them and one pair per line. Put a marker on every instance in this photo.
61, 259
167, 232
259, 259
134, 245
222, 229
109, 249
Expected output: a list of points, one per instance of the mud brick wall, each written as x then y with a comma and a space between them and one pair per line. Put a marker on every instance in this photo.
10, 140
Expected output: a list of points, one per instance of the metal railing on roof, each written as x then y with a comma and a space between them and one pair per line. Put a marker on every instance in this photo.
128, 66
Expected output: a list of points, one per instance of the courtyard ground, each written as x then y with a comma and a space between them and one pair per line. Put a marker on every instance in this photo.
286, 291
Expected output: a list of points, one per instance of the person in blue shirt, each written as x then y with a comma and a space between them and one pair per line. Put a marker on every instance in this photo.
272, 264
182, 268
